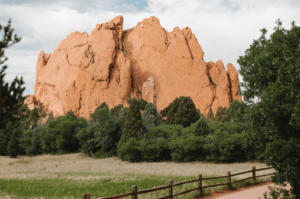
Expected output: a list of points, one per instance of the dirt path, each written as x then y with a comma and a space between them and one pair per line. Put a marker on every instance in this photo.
251, 192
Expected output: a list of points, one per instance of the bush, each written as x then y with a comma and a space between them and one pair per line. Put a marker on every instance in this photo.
181, 111
154, 145
201, 127
227, 142
186, 147
151, 117
129, 151
60, 135
31, 141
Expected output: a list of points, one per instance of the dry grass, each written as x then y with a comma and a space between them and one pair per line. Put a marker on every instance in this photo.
19, 168
78, 167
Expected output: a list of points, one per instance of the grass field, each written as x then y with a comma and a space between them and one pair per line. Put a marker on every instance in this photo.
72, 175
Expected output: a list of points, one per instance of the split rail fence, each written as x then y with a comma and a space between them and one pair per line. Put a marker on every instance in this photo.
134, 194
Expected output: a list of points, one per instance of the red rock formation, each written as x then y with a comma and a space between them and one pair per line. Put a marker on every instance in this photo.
148, 91
111, 64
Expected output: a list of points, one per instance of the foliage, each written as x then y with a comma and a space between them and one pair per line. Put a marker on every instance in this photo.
201, 127
142, 104
236, 111
5, 135
154, 145
185, 146
129, 151
107, 131
151, 117
210, 114
31, 141
270, 69
13, 148
60, 135
103, 132
219, 114
276, 193
227, 143
11, 98
134, 126
115, 112
181, 111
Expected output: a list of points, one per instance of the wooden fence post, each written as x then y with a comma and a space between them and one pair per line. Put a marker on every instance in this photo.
253, 173
86, 196
171, 189
200, 184
229, 179
134, 191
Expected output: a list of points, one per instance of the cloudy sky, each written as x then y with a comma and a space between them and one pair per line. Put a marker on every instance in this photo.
224, 28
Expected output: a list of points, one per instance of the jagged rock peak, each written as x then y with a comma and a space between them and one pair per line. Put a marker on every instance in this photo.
145, 61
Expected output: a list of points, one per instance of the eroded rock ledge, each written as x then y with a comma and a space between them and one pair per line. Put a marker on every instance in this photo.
145, 61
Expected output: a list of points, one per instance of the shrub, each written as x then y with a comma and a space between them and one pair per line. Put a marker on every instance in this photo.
31, 141
201, 127
129, 151
186, 147
60, 135
227, 142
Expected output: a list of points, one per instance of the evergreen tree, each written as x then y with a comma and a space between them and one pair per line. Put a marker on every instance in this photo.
201, 127
181, 111
11, 99
151, 117
117, 110
270, 70
13, 148
142, 104
134, 126
5, 135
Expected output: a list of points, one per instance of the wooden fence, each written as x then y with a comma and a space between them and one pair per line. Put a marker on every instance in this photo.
134, 194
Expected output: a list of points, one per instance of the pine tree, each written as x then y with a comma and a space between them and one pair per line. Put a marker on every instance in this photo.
13, 148
5, 135
11, 99
134, 126
181, 111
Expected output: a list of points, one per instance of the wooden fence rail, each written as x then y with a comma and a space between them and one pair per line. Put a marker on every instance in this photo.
134, 194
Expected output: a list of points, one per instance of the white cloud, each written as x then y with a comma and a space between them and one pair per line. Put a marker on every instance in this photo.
224, 28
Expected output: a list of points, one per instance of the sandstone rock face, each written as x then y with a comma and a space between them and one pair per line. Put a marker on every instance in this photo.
234, 82
30, 101
145, 61
148, 92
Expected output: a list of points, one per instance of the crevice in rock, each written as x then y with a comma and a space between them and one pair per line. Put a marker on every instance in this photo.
188, 45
